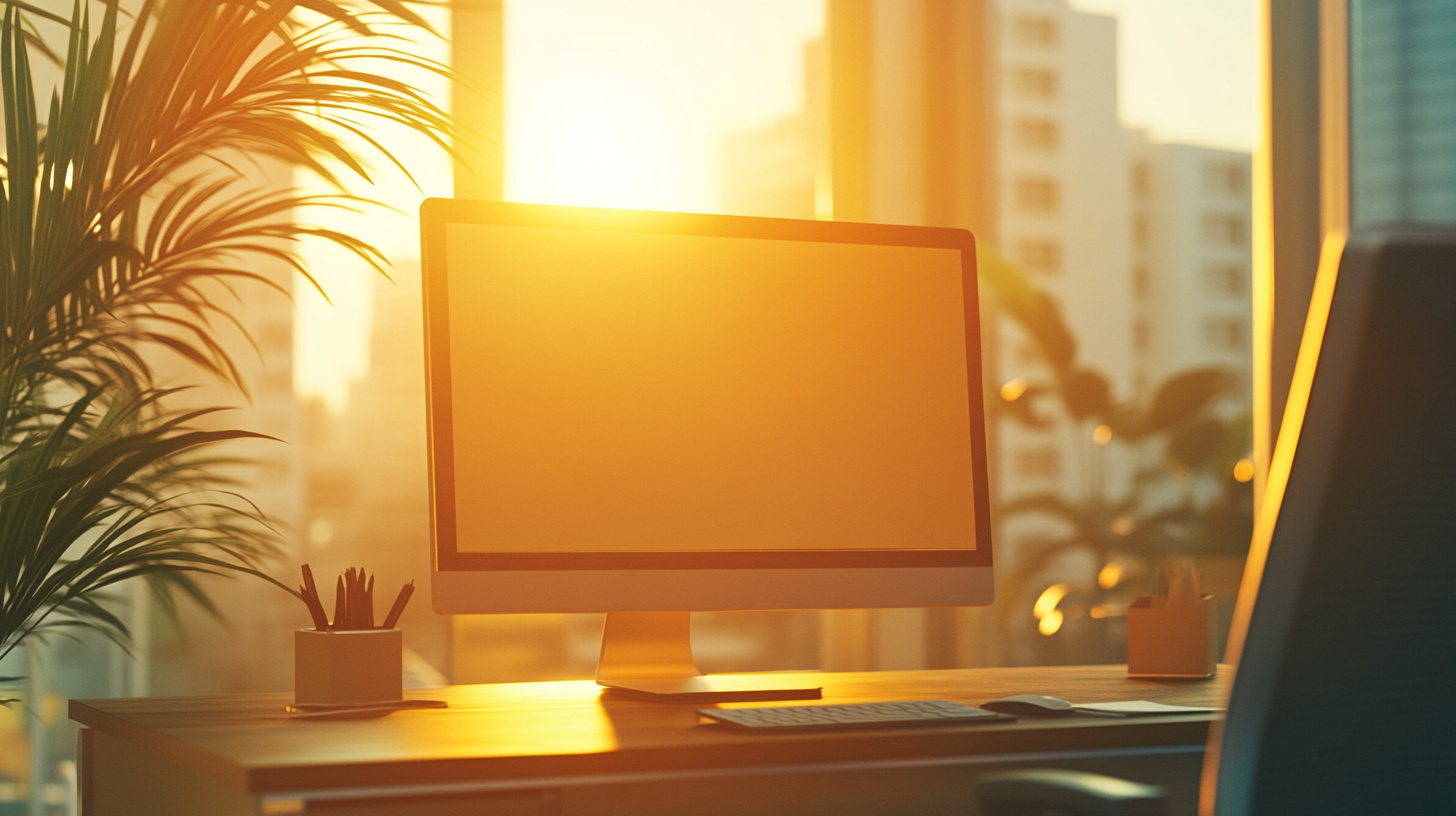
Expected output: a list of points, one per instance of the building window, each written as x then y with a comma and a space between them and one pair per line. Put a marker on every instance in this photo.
1142, 336
1225, 178
1041, 196
1042, 462
1142, 181
1036, 83
1040, 255
1223, 229
1225, 333
1141, 231
1036, 31
1224, 279
1142, 281
1036, 135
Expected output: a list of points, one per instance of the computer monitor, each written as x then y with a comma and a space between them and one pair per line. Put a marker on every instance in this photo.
648, 414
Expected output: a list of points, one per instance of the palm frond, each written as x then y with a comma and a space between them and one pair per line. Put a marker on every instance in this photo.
103, 495
127, 223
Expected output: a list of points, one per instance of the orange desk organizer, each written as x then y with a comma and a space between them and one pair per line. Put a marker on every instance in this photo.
1173, 635
364, 666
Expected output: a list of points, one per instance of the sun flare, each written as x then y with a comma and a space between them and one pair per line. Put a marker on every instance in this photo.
606, 138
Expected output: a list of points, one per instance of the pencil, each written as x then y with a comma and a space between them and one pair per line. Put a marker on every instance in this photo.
308, 581
309, 591
340, 605
369, 600
351, 598
399, 604
319, 621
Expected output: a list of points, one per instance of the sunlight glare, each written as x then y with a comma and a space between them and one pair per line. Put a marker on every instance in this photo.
1012, 390
605, 139
624, 103
332, 342
1050, 623
1048, 600
1110, 575
1244, 470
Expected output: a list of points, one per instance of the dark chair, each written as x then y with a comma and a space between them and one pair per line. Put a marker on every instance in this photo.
1345, 698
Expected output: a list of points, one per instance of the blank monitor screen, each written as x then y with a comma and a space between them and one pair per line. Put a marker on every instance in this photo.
646, 391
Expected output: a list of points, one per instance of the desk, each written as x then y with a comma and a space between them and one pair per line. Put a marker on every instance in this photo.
564, 748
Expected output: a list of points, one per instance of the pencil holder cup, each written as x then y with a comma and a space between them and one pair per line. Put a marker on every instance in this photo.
363, 666
1171, 639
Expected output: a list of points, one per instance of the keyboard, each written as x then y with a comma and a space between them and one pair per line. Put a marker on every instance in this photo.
912, 714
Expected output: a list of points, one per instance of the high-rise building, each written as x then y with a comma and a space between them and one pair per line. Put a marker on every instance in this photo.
1061, 177
1191, 221
1061, 172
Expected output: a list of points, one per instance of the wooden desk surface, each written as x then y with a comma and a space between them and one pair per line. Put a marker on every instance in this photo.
525, 731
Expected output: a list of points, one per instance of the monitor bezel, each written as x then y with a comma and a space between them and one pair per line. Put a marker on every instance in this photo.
435, 216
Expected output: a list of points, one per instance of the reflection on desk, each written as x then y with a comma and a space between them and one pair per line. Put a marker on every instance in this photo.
570, 747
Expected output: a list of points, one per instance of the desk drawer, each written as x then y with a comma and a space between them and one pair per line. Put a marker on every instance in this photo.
120, 779
513, 803
941, 788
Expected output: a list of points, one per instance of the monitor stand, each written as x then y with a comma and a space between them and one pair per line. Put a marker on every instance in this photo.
649, 655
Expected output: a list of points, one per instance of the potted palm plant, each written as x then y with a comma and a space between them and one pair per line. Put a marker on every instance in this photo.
125, 217
1183, 432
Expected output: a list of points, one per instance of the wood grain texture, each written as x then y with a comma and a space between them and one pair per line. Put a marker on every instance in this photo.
541, 731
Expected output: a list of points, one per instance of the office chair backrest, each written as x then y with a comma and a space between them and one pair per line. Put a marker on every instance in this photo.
1345, 699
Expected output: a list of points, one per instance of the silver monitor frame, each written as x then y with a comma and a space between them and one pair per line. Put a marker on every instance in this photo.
641, 582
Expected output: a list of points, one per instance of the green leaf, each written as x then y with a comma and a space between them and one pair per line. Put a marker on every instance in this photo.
1033, 309
1086, 393
1196, 445
1185, 395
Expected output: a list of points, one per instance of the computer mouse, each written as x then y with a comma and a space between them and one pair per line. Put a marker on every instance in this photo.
1030, 705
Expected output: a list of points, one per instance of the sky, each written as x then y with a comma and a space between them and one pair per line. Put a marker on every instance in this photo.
625, 102
656, 83
1186, 68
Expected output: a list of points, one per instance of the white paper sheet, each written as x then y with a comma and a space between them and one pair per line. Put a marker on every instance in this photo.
1141, 708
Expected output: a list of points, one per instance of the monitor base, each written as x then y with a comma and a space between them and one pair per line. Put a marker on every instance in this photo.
723, 688
649, 655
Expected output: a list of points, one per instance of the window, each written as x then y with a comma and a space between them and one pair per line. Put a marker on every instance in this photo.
1225, 333
1142, 336
1041, 462
1036, 135
1040, 255
1225, 178
1142, 281
1036, 83
1142, 182
1041, 196
1224, 279
1035, 31
1224, 229
1141, 231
